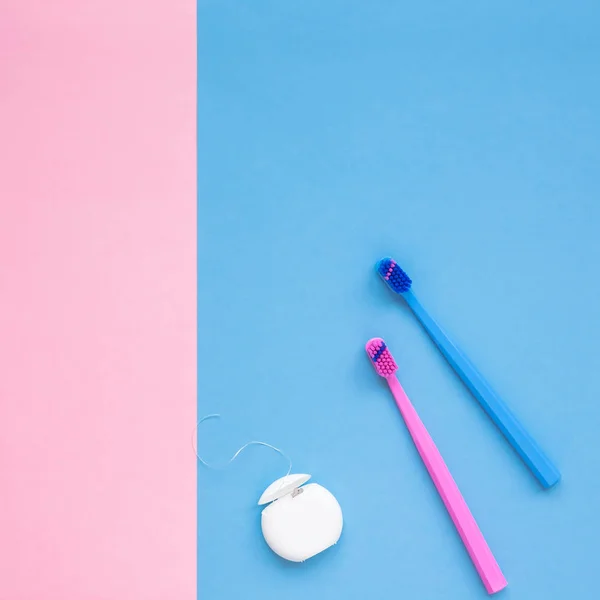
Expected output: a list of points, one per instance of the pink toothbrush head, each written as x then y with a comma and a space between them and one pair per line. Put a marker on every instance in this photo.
382, 359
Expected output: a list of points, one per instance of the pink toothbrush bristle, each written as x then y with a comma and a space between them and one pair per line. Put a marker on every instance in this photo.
380, 356
390, 270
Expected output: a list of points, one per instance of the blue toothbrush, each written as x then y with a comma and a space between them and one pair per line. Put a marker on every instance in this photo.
527, 448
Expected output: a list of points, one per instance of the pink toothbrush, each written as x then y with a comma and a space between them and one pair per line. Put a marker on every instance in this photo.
467, 527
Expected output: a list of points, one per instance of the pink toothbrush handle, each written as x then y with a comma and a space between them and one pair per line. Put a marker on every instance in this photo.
467, 527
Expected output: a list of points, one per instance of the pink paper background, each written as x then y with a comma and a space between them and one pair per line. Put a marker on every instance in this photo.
97, 299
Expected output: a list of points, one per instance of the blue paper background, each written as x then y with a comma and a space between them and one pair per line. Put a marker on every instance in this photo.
462, 138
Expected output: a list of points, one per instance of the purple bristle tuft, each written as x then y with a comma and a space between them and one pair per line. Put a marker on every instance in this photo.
398, 281
380, 356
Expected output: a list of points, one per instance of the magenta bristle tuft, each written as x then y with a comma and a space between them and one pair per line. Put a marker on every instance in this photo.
381, 357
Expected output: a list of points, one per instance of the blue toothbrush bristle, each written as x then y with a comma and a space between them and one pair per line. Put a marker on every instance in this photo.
397, 280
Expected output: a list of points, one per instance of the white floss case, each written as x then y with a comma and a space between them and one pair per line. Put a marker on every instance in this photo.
301, 520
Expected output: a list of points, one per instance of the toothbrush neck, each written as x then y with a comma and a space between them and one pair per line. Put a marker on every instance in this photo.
416, 307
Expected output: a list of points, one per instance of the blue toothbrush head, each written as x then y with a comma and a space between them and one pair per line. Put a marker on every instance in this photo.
398, 281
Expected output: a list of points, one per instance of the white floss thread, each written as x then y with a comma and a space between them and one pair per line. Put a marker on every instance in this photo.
238, 452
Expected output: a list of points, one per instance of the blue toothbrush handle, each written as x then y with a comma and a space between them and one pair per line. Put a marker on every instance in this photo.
527, 448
